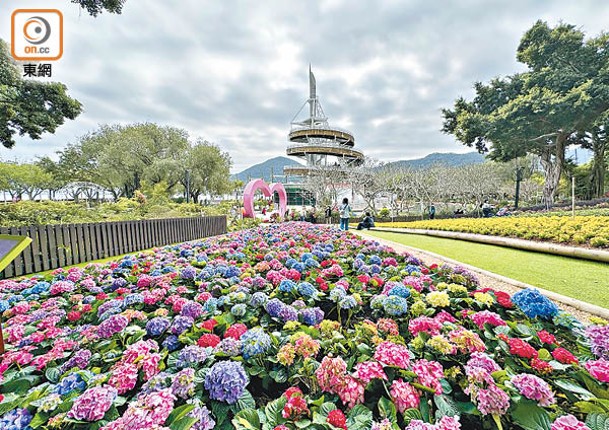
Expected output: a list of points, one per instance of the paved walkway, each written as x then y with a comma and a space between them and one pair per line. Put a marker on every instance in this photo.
492, 280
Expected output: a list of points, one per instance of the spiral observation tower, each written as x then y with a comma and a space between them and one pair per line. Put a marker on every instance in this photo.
316, 142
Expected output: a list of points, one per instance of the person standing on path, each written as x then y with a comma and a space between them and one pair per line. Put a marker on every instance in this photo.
328, 214
345, 213
432, 211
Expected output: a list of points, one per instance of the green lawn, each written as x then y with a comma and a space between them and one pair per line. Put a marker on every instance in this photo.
583, 280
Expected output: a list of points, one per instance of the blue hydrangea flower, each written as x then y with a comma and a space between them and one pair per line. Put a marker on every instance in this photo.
306, 289
226, 381
399, 290
287, 286
188, 272
132, 299
374, 259
191, 355
72, 382
337, 294
238, 310
17, 419
395, 306
258, 299
348, 302
534, 304
254, 342
311, 316
157, 326
171, 342
274, 307
181, 324
4, 305
211, 305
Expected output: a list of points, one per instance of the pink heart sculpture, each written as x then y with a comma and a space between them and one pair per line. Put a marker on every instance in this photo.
259, 184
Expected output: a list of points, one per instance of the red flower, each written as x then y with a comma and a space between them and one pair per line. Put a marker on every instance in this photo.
433, 266
86, 308
504, 299
122, 290
295, 408
281, 427
292, 391
563, 356
1, 398
101, 296
73, 316
546, 337
521, 348
209, 324
337, 419
425, 271
208, 340
541, 366
235, 331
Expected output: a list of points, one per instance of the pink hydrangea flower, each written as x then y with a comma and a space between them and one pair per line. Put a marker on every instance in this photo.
425, 325
487, 317
93, 404
568, 422
124, 377
351, 392
404, 395
369, 370
599, 369
429, 374
392, 354
534, 388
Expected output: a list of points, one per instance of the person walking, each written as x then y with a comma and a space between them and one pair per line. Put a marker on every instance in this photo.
432, 211
345, 214
328, 215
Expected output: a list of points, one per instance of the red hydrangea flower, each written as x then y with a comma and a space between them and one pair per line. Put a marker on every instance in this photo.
208, 340
73, 316
546, 337
563, 356
209, 324
503, 299
337, 418
521, 348
235, 331
541, 366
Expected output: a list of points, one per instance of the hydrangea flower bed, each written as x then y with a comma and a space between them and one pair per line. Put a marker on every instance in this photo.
292, 326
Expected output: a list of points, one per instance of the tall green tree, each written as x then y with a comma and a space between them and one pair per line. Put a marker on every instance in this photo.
29, 107
563, 92
208, 170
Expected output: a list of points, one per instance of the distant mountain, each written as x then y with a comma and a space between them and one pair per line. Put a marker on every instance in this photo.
447, 159
272, 167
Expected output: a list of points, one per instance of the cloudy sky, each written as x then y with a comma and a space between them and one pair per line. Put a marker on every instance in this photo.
235, 72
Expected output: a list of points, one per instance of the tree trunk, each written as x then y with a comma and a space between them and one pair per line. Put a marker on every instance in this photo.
552, 161
599, 165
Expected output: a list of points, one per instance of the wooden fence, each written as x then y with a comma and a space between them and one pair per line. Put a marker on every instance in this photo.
60, 245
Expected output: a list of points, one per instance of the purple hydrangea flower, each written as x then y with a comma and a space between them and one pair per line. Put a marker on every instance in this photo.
311, 316
183, 384
80, 359
599, 340
188, 272
192, 354
193, 310
205, 421
156, 326
288, 313
226, 381
274, 307
114, 324
181, 324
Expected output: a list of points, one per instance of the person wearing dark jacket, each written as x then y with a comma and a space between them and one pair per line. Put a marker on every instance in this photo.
367, 222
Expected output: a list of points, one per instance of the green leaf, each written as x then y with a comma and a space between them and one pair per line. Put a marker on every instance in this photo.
303, 424
387, 409
588, 407
39, 419
179, 412
446, 406
53, 374
412, 414
545, 355
568, 386
326, 408
272, 411
184, 423
359, 418
529, 416
598, 421
247, 419
246, 401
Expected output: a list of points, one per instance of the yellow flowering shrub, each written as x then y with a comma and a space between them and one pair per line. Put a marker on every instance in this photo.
579, 230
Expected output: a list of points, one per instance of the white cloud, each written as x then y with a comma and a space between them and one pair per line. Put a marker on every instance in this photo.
236, 72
